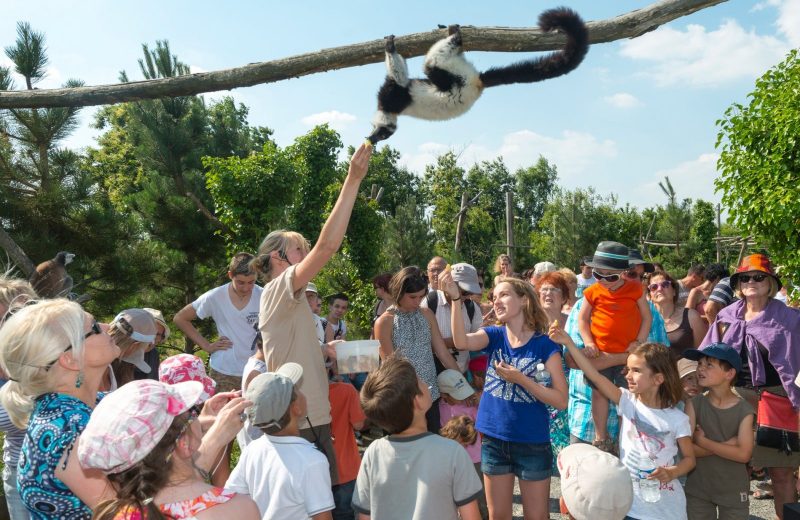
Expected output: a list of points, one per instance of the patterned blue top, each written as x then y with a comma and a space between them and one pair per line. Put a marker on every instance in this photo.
55, 423
507, 411
579, 409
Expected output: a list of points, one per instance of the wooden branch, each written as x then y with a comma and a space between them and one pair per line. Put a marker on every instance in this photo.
210, 216
16, 253
503, 39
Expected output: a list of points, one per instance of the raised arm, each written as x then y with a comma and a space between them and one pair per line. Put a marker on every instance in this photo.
461, 340
606, 387
332, 234
437, 343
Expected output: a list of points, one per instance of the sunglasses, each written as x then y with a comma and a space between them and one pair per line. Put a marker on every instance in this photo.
666, 284
632, 274
94, 329
606, 277
745, 278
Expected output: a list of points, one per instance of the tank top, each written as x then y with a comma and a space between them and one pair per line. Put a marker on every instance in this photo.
681, 338
411, 337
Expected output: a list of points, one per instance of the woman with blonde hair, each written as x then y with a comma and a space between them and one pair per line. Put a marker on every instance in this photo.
502, 267
287, 327
54, 355
512, 415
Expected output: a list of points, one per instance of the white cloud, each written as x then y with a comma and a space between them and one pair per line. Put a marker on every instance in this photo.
623, 100
194, 69
573, 152
691, 179
52, 79
337, 120
702, 58
789, 20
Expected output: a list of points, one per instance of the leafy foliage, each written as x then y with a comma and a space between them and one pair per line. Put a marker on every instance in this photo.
760, 164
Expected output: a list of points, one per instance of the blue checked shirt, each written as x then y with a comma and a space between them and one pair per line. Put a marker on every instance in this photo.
580, 394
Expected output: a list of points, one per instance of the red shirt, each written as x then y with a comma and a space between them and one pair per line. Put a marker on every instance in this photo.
345, 411
615, 315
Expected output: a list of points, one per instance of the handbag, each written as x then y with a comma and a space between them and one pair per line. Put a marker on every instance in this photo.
777, 423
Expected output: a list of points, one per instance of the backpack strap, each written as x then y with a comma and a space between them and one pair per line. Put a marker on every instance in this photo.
433, 300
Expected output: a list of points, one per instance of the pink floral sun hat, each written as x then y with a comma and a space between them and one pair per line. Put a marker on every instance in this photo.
186, 367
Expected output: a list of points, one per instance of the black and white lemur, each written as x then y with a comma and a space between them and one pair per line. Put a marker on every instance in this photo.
453, 84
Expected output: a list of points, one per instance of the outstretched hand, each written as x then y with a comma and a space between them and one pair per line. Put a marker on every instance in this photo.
448, 285
359, 163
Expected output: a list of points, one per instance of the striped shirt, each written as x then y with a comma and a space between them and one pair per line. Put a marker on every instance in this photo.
13, 439
579, 408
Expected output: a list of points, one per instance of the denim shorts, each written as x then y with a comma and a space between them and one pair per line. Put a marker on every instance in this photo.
527, 461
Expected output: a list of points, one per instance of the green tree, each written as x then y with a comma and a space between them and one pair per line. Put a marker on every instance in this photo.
703, 232
409, 240
398, 184
443, 185
535, 186
759, 164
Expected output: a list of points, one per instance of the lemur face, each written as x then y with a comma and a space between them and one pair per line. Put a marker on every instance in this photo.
382, 132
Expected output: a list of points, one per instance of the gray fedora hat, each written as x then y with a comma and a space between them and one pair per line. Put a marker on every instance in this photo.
635, 258
610, 255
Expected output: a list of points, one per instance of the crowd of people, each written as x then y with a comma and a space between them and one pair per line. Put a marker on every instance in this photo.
652, 397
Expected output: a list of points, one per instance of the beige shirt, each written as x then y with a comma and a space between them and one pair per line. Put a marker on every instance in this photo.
287, 326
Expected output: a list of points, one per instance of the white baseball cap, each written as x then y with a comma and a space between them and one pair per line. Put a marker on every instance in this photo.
453, 383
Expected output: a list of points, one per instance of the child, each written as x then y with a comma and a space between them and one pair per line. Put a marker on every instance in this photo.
477, 367
723, 438
282, 472
653, 430
594, 484
454, 409
614, 318
346, 417
512, 415
687, 371
411, 474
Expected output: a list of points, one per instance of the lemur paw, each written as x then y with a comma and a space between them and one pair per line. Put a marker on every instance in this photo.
390, 48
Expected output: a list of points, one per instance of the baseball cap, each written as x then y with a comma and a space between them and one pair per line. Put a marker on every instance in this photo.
466, 277
271, 395
544, 267
594, 484
312, 287
721, 351
686, 367
159, 318
186, 367
129, 422
453, 383
140, 326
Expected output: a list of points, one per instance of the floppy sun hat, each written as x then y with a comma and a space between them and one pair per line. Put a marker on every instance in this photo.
756, 262
186, 367
610, 255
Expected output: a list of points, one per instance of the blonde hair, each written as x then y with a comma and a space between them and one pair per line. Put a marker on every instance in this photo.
535, 317
569, 276
31, 342
14, 292
499, 261
280, 241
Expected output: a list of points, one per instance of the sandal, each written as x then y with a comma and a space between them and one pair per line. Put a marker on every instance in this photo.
763, 494
606, 445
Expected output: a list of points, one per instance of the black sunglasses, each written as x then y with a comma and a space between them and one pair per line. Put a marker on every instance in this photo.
745, 278
94, 329
606, 277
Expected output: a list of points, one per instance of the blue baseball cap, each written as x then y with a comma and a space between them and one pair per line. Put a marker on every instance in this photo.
721, 351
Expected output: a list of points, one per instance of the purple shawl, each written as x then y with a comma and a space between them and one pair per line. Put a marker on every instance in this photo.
777, 328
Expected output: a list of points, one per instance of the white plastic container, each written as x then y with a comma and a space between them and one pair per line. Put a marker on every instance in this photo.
357, 356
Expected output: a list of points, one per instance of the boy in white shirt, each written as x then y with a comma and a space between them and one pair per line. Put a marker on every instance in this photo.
286, 476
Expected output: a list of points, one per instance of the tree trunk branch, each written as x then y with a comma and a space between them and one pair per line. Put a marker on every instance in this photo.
16, 253
503, 39
210, 216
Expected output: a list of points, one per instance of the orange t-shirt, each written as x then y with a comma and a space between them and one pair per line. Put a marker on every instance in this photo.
345, 411
615, 315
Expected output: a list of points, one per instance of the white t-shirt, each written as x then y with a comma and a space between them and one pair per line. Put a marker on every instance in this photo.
237, 325
320, 328
583, 284
652, 433
443, 310
249, 433
285, 476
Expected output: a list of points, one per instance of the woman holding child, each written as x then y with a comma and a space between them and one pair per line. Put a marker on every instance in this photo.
766, 333
512, 415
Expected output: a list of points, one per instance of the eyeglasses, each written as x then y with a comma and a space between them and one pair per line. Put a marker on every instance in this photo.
746, 278
632, 274
606, 277
666, 284
549, 290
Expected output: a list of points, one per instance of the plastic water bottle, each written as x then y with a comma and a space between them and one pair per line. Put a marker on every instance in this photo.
542, 376
649, 489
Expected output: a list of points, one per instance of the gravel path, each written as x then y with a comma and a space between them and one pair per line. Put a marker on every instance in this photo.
759, 509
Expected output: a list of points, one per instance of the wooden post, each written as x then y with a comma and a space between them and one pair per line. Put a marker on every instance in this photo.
719, 235
462, 214
510, 226
742, 251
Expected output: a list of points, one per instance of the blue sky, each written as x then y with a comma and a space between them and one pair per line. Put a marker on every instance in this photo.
633, 112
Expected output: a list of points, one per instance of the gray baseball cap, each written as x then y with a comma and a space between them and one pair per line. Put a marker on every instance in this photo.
271, 394
466, 277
